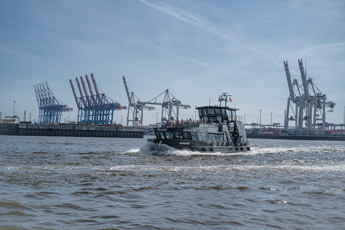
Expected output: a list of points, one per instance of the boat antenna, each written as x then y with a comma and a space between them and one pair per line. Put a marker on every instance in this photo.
223, 97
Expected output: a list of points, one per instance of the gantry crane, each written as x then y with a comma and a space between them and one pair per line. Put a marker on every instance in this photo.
170, 106
50, 108
94, 108
310, 103
136, 107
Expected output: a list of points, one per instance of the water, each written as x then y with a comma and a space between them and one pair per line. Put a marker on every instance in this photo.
104, 183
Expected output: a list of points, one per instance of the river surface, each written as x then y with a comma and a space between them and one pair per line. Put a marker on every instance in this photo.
107, 183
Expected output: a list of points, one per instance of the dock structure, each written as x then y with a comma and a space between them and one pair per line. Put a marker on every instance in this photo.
306, 104
94, 107
50, 108
71, 130
169, 103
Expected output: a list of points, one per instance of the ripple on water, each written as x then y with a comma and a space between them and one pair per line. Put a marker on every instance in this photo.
73, 207
16, 213
12, 205
11, 227
85, 183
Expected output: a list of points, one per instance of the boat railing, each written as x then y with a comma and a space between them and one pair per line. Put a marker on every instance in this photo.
180, 125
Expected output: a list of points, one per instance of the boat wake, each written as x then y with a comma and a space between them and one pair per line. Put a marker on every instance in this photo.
162, 149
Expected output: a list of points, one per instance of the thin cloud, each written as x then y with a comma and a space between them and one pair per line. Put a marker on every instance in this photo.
202, 23
186, 17
327, 45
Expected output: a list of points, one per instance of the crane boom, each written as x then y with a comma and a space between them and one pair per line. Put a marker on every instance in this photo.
127, 90
91, 92
50, 94
288, 77
304, 78
44, 94
81, 93
38, 96
87, 96
96, 89
75, 95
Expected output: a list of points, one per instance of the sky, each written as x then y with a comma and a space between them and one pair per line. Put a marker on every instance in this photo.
196, 49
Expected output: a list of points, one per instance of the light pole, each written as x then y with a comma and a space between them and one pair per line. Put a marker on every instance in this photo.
271, 117
260, 118
344, 115
14, 107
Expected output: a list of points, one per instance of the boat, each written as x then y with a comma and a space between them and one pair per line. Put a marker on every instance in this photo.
217, 130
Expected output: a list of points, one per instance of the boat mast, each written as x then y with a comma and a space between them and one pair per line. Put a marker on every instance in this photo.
223, 97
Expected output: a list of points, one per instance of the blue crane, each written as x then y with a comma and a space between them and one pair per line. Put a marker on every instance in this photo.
94, 107
50, 108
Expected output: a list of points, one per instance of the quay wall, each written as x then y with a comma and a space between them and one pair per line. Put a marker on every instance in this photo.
328, 137
9, 129
73, 131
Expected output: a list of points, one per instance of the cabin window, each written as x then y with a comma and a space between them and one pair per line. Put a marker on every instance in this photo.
217, 139
194, 136
168, 135
201, 114
205, 136
187, 135
224, 115
218, 112
178, 135
211, 112
200, 136
211, 138
232, 115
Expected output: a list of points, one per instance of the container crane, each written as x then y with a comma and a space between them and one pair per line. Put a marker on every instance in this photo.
135, 114
94, 108
170, 106
50, 108
310, 103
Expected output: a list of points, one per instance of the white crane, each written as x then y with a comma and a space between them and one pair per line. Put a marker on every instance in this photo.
310, 104
170, 106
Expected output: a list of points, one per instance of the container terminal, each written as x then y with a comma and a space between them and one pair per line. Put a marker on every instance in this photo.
304, 119
96, 112
305, 114
95, 115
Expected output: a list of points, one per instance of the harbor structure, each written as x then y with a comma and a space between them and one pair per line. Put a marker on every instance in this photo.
94, 107
306, 104
135, 113
50, 108
169, 103
306, 109
71, 130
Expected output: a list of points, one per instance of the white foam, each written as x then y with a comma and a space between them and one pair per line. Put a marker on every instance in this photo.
134, 150
228, 168
162, 149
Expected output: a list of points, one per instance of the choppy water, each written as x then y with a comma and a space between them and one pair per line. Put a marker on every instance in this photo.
104, 183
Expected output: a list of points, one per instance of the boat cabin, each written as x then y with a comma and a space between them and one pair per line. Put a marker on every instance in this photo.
216, 114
